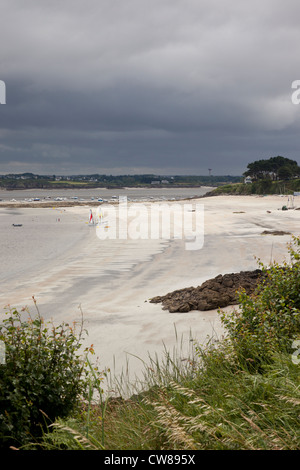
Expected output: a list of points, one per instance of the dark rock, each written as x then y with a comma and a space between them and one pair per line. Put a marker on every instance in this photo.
184, 307
218, 292
275, 232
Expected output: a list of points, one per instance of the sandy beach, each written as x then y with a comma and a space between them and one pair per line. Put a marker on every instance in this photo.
57, 257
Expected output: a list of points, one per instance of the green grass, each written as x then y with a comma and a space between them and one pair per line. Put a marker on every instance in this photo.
69, 183
258, 187
216, 406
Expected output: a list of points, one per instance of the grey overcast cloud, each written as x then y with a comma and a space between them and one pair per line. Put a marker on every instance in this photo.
147, 86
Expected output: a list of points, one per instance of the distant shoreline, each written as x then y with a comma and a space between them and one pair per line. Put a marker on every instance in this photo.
94, 197
47, 204
92, 203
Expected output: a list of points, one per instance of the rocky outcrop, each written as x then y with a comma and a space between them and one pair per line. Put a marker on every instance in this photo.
218, 292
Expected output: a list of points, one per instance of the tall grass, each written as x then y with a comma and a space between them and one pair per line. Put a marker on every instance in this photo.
215, 406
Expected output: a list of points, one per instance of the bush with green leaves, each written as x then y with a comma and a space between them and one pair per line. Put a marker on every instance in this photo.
43, 375
268, 321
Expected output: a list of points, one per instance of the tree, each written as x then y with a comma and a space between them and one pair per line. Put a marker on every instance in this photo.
285, 172
273, 168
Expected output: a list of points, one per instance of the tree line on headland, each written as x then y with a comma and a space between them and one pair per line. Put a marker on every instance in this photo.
276, 175
274, 168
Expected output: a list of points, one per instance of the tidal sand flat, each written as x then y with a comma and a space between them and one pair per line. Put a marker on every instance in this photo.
56, 256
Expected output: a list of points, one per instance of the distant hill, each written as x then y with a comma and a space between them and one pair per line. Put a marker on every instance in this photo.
30, 181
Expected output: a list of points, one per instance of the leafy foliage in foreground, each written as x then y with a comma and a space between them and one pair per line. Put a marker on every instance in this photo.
42, 378
270, 320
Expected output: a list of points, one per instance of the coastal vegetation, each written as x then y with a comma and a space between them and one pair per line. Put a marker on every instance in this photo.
276, 175
259, 187
239, 392
273, 168
41, 375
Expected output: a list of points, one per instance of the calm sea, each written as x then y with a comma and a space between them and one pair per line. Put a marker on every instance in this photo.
134, 194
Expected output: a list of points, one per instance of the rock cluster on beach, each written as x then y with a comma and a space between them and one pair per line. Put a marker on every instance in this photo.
218, 292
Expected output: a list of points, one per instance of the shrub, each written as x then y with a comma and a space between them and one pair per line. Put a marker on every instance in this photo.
268, 321
42, 375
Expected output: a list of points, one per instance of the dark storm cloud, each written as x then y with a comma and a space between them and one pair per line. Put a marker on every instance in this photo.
136, 86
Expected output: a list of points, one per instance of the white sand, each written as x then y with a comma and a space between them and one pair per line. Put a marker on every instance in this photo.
65, 265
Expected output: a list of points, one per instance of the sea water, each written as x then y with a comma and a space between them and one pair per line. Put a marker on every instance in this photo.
134, 194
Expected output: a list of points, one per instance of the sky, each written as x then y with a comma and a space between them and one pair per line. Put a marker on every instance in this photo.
147, 86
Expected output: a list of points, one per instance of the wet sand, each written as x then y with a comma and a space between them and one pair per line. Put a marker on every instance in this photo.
59, 259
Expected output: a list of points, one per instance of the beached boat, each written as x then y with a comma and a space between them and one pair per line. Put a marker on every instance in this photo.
98, 220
